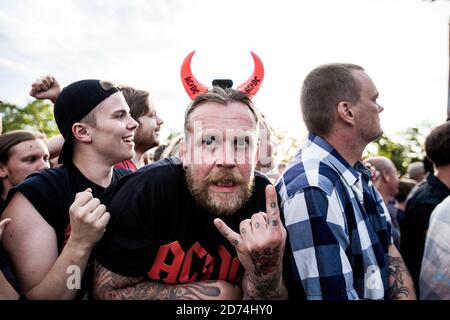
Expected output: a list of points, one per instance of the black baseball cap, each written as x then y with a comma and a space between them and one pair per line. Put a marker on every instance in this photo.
73, 103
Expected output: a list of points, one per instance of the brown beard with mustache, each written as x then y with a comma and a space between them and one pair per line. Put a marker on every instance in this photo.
230, 202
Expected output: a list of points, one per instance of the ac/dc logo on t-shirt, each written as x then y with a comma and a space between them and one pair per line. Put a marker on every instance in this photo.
173, 265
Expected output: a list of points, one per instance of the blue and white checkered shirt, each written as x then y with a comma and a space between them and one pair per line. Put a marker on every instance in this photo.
338, 229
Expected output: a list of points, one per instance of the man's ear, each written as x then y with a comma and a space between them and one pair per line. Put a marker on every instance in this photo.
345, 112
385, 177
3, 171
81, 132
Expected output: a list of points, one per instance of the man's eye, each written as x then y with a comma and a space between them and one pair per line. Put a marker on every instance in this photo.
209, 140
242, 142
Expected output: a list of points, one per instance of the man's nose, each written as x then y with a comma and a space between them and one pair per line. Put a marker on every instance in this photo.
132, 124
226, 158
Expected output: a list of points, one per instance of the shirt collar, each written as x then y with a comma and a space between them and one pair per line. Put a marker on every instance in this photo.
349, 173
436, 183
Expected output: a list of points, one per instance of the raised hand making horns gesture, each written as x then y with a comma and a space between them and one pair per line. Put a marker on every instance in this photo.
260, 246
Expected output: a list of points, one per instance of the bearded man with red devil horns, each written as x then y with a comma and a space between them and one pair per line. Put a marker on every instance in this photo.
205, 225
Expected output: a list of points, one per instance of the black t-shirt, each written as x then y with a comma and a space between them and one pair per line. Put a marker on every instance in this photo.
53, 191
158, 230
4, 261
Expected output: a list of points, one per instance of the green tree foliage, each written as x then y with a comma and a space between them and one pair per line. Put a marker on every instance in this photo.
405, 147
36, 115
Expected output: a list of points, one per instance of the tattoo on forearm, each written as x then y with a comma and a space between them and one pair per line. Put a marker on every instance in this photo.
265, 282
272, 288
267, 286
397, 272
108, 285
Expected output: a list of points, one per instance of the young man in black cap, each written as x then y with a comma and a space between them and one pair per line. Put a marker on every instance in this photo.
142, 109
59, 215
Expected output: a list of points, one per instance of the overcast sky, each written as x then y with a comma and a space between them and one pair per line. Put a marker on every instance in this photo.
403, 45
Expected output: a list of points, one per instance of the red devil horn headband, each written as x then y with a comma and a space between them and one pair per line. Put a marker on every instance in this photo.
193, 87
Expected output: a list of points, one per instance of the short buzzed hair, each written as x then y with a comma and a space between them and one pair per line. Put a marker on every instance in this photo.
416, 170
90, 118
322, 90
380, 163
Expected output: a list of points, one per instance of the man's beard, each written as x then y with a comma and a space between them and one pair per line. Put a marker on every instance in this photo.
220, 203
144, 142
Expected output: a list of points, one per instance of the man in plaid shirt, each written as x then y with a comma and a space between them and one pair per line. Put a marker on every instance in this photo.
340, 244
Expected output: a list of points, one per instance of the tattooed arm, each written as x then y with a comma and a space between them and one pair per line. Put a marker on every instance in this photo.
260, 247
266, 282
111, 286
401, 286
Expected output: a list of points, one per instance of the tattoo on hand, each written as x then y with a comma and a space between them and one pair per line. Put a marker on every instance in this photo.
275, 222
273, 205
266, 261
257, 225
397, 270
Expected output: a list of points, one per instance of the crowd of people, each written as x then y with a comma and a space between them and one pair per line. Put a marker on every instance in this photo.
104, 211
